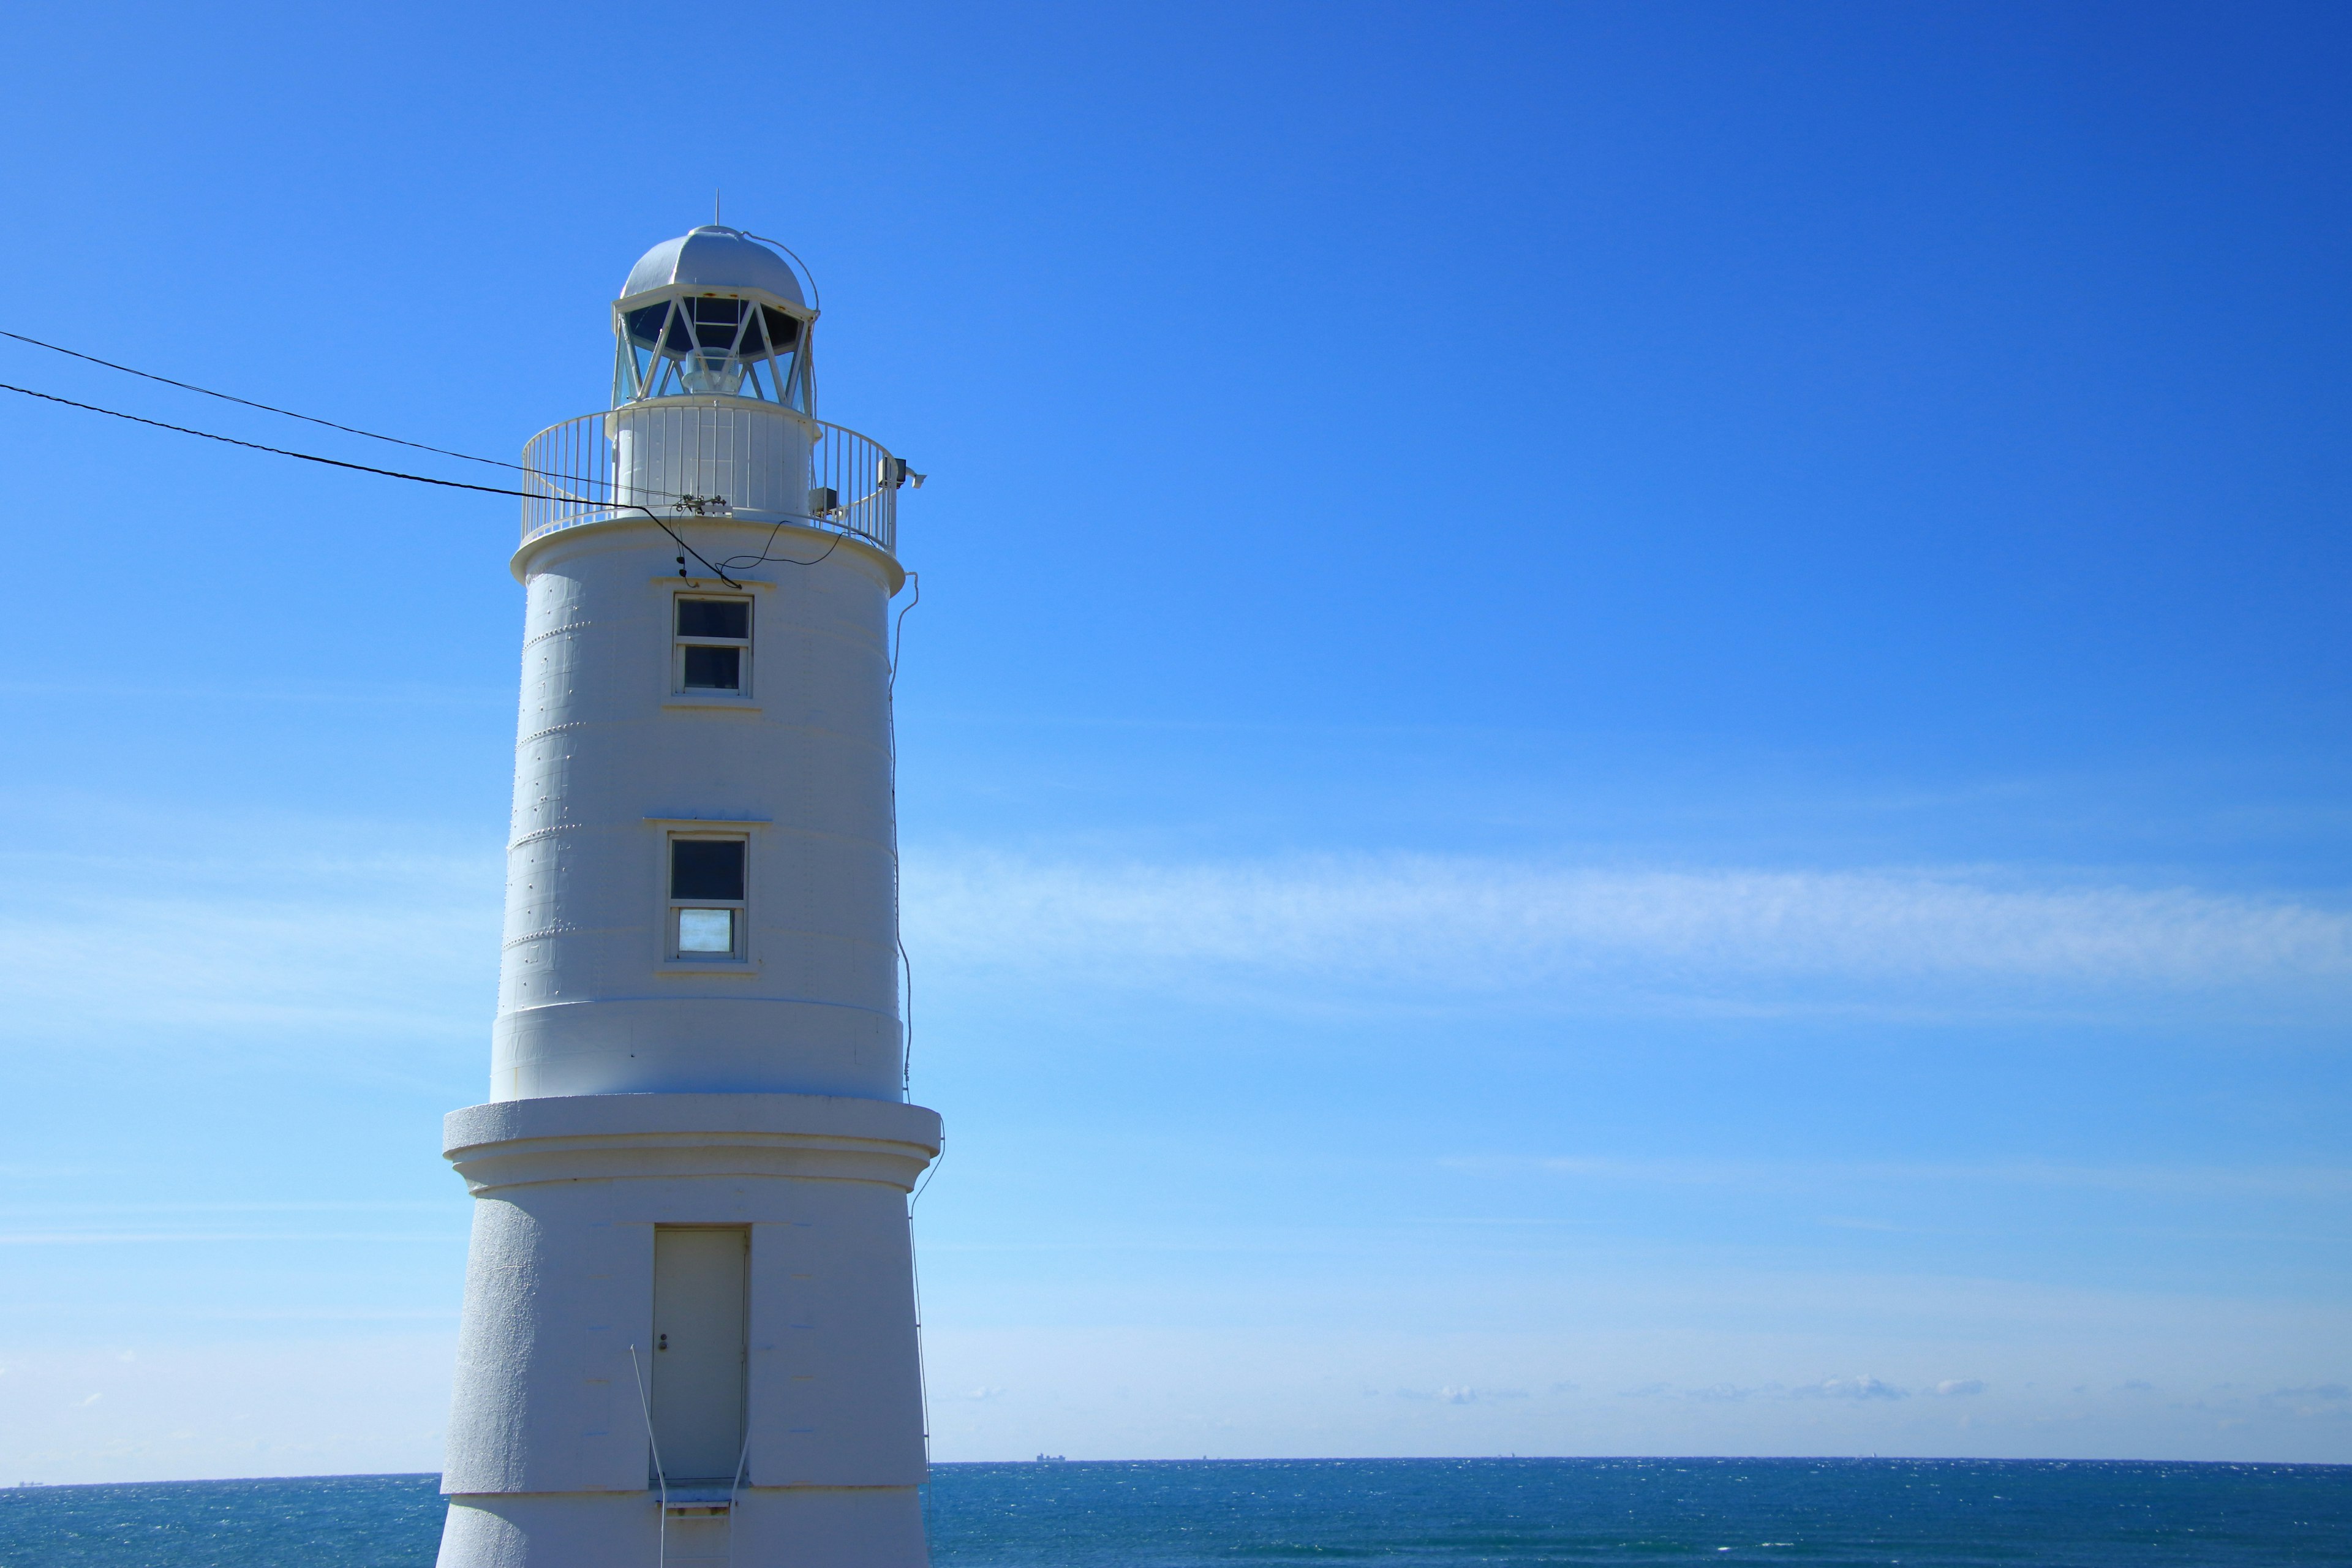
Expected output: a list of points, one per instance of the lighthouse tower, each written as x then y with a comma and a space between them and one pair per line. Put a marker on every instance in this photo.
689, 1326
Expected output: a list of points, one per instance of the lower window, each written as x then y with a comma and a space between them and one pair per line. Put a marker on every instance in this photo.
706, 897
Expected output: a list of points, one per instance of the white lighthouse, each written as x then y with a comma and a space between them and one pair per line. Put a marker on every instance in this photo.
689, 1326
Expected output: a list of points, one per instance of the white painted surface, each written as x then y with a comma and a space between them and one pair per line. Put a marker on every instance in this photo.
752, 455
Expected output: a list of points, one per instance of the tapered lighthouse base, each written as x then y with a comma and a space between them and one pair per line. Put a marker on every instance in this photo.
689, 1333
785, 1527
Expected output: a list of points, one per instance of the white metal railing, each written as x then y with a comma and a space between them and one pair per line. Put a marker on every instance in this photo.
714, 457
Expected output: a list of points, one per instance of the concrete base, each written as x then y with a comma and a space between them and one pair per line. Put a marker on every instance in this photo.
769, 1527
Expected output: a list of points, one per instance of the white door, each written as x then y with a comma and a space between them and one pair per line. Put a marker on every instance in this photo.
698, 1342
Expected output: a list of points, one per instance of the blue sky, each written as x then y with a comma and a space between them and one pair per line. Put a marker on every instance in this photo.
1627, 730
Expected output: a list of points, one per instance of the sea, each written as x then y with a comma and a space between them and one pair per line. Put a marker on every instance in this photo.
1429, 1513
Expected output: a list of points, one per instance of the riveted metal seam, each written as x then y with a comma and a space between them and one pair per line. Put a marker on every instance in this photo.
530, 642
552, 730
538, 834
545, 932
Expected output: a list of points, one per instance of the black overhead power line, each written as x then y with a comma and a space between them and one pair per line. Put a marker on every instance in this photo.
691, 502
364, 467
249, 402
275, 451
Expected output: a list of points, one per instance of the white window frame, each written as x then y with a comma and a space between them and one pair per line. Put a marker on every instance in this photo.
680, 643
672, 956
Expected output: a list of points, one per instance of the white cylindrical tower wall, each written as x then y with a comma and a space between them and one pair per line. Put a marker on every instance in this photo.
612, 758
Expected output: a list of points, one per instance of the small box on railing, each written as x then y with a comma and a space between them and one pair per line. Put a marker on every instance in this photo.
823, 501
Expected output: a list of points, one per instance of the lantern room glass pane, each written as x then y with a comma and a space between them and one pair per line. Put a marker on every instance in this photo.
646, 323
716, 322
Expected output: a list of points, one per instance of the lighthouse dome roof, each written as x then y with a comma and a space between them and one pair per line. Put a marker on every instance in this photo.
713, 257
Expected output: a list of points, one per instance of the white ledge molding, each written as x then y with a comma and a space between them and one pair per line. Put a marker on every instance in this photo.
711, 968
719, 704
711, 821
592, 1137
699, 583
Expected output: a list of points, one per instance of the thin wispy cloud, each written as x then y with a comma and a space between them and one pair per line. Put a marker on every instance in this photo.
1857, 1389
2179, 1180
1851, 1388
371, 929
141, 1238
1458, 926
346, 693
355, 931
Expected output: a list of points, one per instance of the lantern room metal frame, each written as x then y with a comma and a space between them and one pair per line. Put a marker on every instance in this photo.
685, 339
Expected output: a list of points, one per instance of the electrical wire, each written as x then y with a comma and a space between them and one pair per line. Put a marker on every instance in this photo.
898, 629
737, 562
741, 562
816, 302
907, 1045
331, 462
257, 447
922, 1363
265, 407
936, 1161
905, 964
309, 419
661, 1475
368, 468
716, 569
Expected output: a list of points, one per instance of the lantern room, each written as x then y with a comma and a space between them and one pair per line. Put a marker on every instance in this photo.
713, 313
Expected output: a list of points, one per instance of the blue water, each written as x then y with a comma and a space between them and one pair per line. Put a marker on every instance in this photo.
1941, 1513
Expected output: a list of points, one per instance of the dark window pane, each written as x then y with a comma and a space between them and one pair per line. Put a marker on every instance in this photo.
705, 869
646, 323
714, 669
680, 337
714, 618
716, 320
782, 330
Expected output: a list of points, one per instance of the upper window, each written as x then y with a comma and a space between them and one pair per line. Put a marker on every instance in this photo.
713, 641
